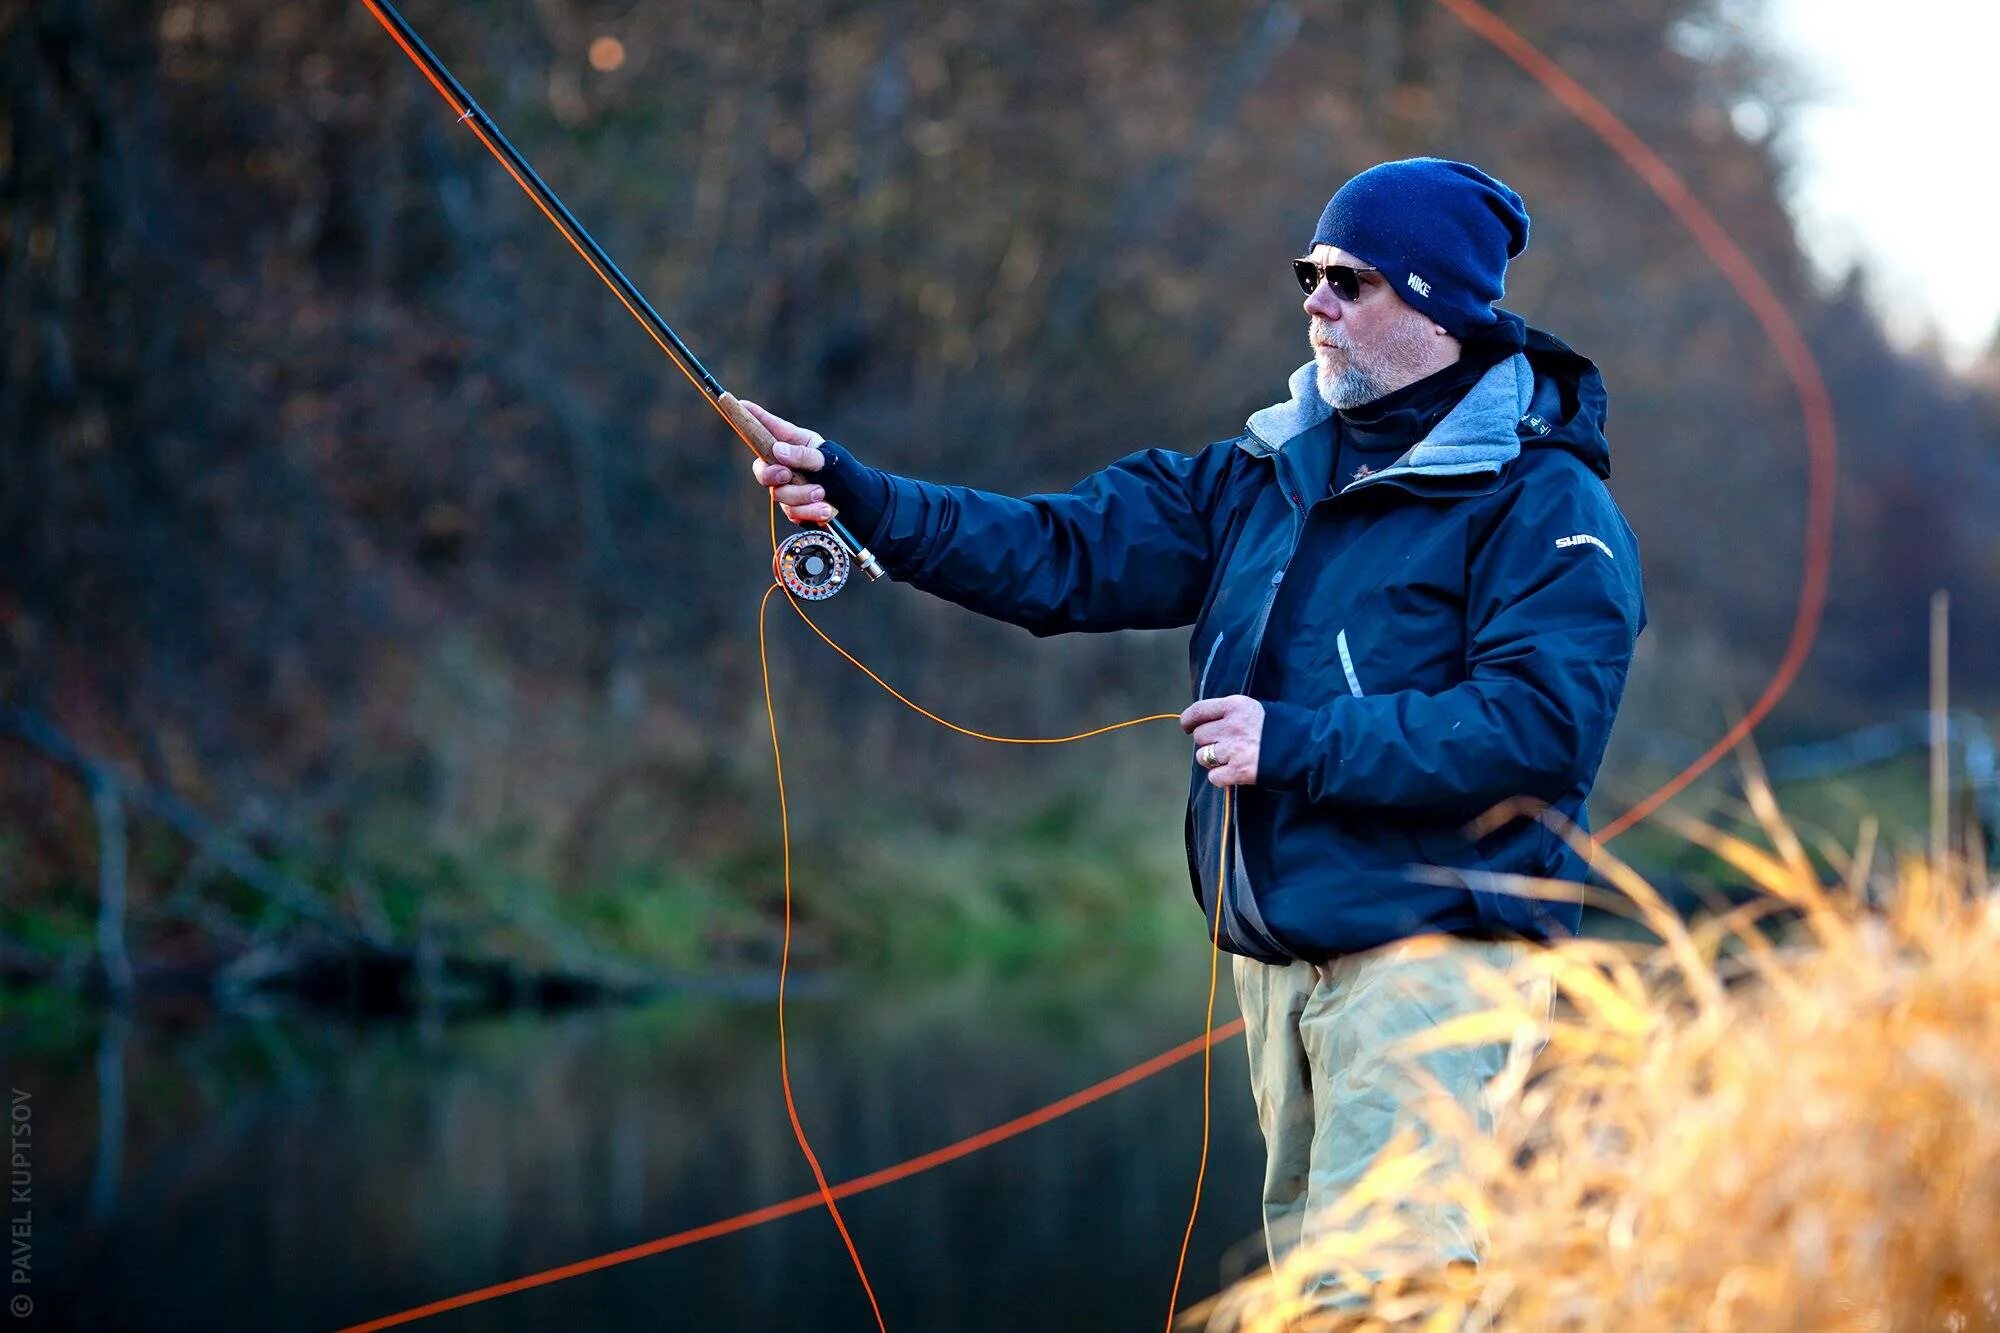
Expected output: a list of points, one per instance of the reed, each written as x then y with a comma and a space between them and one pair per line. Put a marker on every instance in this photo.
1782, 1115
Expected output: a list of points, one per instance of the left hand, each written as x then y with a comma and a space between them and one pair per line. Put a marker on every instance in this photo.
1234, 725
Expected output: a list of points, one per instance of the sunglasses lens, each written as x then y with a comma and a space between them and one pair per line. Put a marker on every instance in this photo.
1343, 278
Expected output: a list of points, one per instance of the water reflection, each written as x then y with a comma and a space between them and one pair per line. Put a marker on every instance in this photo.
292, 1172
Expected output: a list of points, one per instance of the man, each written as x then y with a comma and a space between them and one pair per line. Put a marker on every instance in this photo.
1413, 599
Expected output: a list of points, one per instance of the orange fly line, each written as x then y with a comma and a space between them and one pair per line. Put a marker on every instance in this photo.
785, 949
1817, 412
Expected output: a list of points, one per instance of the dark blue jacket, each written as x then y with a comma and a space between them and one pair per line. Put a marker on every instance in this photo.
1454, 631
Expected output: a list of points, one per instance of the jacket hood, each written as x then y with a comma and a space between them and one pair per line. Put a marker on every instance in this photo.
1544, 396
1570, 406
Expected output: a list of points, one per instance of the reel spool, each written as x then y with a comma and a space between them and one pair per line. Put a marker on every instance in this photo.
811, 565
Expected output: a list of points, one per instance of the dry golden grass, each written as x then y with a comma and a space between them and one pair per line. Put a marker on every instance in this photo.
1748, 1126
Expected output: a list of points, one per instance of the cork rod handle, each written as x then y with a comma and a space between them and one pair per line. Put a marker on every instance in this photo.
748, 427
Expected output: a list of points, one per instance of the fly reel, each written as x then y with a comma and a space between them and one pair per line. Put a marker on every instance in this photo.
812, 565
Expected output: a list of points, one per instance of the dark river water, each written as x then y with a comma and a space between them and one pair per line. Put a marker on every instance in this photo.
295, 1171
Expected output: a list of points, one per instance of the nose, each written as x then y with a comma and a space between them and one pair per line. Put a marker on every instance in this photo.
1322, 303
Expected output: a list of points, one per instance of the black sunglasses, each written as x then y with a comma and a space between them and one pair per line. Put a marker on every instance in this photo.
1345, 279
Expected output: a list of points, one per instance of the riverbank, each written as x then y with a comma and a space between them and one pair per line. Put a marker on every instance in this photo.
393, 925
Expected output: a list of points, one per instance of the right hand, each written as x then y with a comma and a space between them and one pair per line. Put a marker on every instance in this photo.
790, 477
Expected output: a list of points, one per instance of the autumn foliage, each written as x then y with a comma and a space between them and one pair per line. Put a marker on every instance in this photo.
1782, 1115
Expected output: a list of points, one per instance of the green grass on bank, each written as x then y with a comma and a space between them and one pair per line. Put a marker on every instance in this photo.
1067, 877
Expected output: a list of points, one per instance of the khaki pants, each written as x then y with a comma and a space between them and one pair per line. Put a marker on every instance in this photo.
1329, 1092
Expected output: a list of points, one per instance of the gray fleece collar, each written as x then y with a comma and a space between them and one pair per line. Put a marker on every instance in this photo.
1479, 434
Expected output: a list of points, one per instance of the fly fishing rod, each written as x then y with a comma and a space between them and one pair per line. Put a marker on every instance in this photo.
813, 564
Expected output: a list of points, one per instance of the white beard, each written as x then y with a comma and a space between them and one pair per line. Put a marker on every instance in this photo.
1403, 359
1350, 386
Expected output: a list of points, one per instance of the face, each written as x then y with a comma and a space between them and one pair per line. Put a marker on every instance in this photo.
1374, 344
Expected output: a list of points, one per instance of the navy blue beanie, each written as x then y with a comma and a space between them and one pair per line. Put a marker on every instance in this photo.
1440, 231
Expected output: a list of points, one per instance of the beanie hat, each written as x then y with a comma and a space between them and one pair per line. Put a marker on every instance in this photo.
1441, 232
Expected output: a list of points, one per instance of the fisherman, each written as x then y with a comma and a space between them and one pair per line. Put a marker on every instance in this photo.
1414, 602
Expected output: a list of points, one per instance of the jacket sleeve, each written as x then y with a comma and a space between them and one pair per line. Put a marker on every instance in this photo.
1125, 548
1553, 609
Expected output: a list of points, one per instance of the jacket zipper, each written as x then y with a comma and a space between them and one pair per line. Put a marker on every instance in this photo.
1299, 515
1347, 663
1222, 897
1271, 594
1201, 688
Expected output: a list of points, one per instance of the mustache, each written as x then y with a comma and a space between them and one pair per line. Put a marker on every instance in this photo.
1325, 331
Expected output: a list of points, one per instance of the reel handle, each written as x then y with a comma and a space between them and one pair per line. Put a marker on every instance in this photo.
766, 445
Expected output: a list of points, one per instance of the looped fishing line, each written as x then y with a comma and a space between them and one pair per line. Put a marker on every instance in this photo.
1815, 407
785, 948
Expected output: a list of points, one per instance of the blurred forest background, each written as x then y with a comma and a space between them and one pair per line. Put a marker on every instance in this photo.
375, 583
